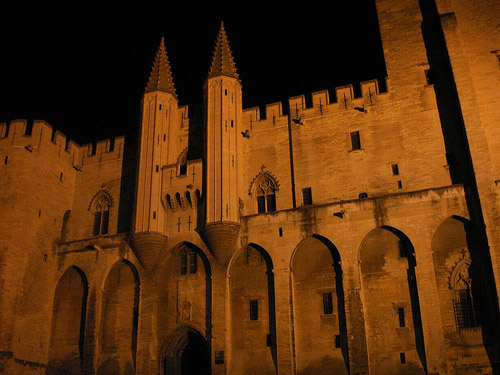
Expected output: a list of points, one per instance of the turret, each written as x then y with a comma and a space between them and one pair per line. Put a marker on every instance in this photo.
223, 114
223, 117
157, 147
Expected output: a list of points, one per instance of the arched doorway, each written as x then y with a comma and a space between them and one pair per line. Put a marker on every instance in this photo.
186, 352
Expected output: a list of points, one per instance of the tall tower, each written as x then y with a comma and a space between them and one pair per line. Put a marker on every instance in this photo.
223, 114
156, 148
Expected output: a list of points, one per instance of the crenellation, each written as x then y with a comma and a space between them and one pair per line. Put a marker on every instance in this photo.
320, 99
251, 116
101, 151
344, 95
296, 105
369, 89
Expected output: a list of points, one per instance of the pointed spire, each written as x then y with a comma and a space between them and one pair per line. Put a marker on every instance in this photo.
222, 61
161, 76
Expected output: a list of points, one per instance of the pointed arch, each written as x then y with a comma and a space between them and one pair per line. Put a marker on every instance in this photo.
391, 299
264, 189
185, 276
100, 207
252, 311
318, 305
185, 349
461, 281
120, 320
69, 312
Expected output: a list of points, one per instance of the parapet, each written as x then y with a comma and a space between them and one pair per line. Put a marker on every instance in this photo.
40, 136
345, 99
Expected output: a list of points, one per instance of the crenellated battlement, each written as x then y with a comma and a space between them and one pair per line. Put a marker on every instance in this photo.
39, 136
321, 105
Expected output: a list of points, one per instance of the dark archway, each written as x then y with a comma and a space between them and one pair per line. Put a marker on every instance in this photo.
186, 352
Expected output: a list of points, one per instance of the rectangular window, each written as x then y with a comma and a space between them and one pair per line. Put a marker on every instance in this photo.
401, 316
5, 160
337, 341
280, 232
183, 169
193, 263
157, 168
254, 309
395, 169
355, 141
402, 357
327, 303
271, 203
261, 204
307, 196
400, 184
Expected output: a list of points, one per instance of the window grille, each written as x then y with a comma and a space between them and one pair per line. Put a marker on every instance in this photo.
327, 303
401, 316
467, 314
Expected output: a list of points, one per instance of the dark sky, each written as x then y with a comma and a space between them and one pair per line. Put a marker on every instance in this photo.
82, 66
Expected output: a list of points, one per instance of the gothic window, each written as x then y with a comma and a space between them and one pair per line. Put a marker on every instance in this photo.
266, 194
465, 308
101, 208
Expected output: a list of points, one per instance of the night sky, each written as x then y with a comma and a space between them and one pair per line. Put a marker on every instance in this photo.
83, 66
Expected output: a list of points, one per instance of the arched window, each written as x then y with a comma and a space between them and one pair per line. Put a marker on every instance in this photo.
466, 309
101, 208
265, 192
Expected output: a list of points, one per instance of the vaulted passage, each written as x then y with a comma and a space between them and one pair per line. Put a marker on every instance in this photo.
68, 323
318, 309
120, 313
186, 353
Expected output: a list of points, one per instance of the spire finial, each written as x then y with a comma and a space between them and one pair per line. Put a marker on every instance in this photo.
161, 75
222, 61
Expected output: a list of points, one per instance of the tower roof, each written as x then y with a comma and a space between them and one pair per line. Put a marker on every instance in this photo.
222, 61
161, 76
